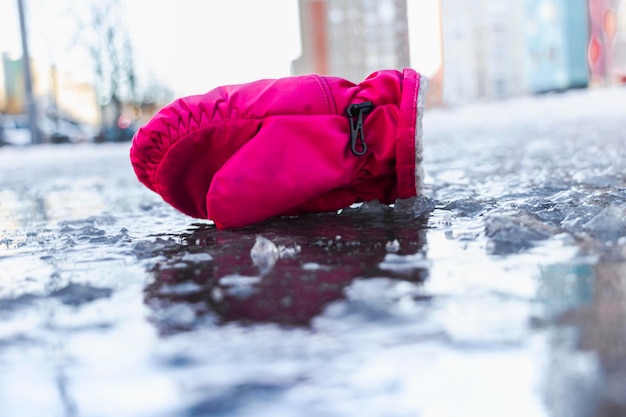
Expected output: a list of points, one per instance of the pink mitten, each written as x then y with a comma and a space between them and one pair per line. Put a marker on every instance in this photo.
244, 153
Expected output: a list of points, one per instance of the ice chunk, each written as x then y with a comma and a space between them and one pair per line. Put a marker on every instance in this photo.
176, 315
184, 288
196, 257
239, 286
264, 254
313, 266
578, 216
373, 207
147, 249
238, 280
392, 246
465, 207
608, 225
513, 230
377, 299
393, 262
288, 251
413, 207
79, 294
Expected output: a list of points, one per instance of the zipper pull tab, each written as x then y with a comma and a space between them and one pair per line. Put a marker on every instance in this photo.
356, 129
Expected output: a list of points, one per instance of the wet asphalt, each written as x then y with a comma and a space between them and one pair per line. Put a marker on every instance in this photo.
500, 291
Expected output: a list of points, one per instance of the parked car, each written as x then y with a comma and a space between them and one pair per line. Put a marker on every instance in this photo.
64, 130
115, 134
1, 129
14, 130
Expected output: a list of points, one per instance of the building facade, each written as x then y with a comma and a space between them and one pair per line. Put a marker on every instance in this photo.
491, 49
54, 91
557, 37
12, 92
607, 41
352, 38
483, 50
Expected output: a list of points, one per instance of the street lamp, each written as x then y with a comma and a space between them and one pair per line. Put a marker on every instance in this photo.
31, 105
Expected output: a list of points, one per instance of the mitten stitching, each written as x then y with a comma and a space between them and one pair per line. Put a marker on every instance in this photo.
324, 86
405, 151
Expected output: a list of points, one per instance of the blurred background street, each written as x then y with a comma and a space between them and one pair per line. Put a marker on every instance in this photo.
500, 291
99, 69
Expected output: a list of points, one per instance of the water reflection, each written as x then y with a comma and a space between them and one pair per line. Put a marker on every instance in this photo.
224, 275
603, 332
586, 369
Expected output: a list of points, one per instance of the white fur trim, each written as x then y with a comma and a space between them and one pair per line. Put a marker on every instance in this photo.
419, 135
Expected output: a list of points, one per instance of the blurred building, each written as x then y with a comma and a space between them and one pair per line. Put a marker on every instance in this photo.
557, 38
483, 50
71, 97
12, 92
352, 38
607, 41
491, 49
314, 38
54, 91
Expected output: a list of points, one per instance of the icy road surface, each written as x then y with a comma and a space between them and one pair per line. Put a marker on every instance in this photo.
500, 292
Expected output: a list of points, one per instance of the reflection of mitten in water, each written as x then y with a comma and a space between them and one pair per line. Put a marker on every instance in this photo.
289, 277
244, 153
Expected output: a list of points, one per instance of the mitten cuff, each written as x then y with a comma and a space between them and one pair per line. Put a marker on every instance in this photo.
409, 151
419, 135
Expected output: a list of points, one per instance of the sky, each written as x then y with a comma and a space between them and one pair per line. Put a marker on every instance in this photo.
195, 45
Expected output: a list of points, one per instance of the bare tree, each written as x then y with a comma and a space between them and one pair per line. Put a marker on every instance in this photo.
104, 34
